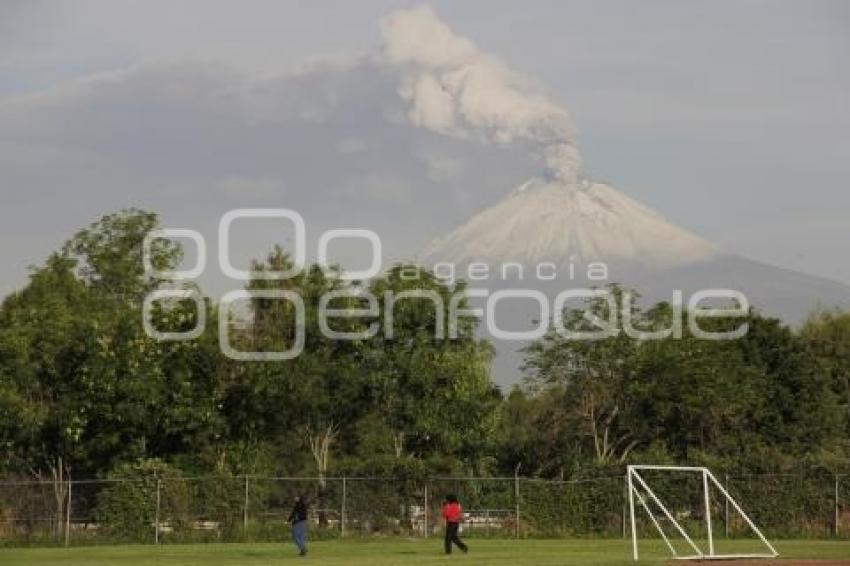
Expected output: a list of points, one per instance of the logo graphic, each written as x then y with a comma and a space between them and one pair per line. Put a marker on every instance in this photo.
549, 312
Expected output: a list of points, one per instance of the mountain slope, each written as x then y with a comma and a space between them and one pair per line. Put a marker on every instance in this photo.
560, 223
784, 293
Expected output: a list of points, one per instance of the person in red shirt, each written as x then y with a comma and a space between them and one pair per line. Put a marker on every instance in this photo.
453, 513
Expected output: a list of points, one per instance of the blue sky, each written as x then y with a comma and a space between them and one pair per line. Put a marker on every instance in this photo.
730, 118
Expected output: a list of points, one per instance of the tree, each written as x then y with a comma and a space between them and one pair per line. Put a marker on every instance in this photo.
594, 376
434, 390
535, 434
827, 336
801, 413
108, 254
760, 400
98, 389
693, 397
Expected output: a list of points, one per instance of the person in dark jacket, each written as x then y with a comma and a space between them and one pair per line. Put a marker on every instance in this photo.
453, 513
298, 520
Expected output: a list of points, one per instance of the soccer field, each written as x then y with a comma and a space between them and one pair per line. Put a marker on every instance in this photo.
393, 552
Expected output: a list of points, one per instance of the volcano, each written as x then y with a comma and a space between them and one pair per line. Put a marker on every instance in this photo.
580, 223
584, 222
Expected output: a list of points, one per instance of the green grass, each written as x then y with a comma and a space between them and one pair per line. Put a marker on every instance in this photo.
399, 552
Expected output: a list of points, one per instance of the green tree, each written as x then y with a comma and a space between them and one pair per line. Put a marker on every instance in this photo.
827, 336
593, 375
96, 388
433, 389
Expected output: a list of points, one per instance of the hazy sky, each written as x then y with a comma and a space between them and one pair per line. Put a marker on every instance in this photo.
730, 118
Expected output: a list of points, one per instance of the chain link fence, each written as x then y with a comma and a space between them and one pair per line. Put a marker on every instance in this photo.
207, 509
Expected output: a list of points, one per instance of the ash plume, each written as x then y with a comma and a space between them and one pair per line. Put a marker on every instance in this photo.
454, 88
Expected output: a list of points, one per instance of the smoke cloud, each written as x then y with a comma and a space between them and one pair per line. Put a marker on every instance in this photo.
453, 88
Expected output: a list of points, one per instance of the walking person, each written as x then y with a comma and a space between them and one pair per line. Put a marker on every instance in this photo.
453, 513
298, 520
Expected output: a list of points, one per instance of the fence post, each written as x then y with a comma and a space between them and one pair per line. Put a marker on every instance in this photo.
342, 510
68, 514
425, 526
726, 505
158, 507
516, 501
837, 517
245, 508
625, 501
800, 510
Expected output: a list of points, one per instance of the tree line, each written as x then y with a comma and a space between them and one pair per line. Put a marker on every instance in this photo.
85, 391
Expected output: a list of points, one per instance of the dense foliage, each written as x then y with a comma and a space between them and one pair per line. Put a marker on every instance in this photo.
83, 388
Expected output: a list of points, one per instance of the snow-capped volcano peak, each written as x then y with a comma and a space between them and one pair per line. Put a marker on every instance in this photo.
569, 223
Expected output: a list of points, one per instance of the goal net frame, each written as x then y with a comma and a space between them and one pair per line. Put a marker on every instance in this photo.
633, 478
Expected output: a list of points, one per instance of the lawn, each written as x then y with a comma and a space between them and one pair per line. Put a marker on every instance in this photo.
388, 552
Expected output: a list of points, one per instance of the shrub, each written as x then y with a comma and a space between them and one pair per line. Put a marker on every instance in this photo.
127, 507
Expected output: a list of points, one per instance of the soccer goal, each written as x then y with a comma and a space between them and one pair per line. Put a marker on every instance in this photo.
641, 492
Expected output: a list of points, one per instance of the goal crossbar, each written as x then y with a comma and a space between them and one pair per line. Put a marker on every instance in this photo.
633, 477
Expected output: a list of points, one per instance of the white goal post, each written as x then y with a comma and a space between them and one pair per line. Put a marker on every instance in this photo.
635, 483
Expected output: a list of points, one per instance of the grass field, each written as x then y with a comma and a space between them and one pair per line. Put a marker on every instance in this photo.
391, 552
